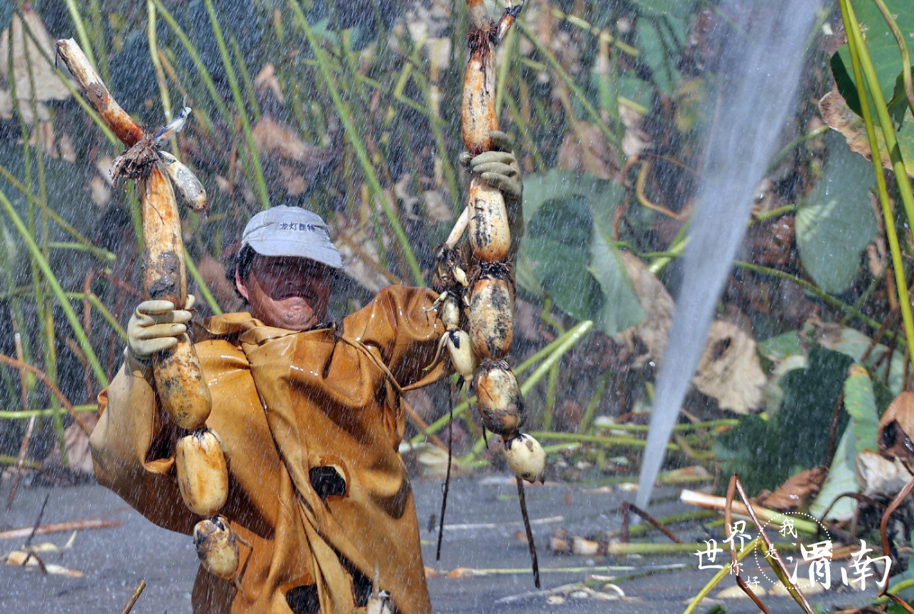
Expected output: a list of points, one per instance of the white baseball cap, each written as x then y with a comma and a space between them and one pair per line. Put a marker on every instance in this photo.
291, 231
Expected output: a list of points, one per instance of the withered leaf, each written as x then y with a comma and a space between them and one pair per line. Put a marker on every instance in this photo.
47, 85
796, 492
840, 117
896, 428
730, 370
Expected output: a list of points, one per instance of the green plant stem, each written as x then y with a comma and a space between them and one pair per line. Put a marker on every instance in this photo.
679, 428
686, 517
43, 309
358, 146
12, 460
87, 245
43, 413
894, 589
816, 291
526, 135
202, 73
80, 247
100, 307
97, 36
557, 346
240, 106
903, 49
774, 213
553, 379
569, 81
595, 31
719, 576
865, 296
80, 27
676, 249
621, 548
160, 72
598, 393
623, 441
81, 337
812, 134
860, 61
201, 283
246, 78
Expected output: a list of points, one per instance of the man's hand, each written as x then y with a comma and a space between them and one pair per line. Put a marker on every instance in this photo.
156, 326
498, 168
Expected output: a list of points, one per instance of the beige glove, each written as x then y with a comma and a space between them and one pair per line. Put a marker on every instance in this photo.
498, 168
156, 326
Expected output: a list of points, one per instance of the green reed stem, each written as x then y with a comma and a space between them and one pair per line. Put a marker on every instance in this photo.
572, 336
246, 78
816, 291
903, 49
861, 62
240, 106
591, 410
97, 36
357, 144
13, 460
615, 441
160, 72
569, 81
84, 41
100, 307
44, 311
78, 330
43, 413
719, 576
201, 283
202, 73
103, 254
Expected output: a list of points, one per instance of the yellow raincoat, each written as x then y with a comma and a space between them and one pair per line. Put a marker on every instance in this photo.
311, 422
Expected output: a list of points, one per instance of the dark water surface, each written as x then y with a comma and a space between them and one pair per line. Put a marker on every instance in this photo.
483, 515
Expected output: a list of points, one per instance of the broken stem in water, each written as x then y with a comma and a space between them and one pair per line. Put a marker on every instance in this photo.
134, 597
447, 478
883, 526
529, 531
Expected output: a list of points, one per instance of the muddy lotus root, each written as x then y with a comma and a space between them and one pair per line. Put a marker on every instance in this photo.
202, 472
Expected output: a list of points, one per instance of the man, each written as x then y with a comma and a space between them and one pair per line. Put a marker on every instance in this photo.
309, 413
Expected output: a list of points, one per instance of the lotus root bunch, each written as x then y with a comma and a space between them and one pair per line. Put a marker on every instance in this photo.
489, 296
200, 456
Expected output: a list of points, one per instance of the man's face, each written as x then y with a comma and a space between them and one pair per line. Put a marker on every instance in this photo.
287, 292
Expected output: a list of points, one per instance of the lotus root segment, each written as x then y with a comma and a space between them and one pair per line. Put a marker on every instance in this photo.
202, 472
188, 188
380, 603
217, 547
450, 312
463, 359
489, 231
491, 317
499, 400
479, 116
526, 457
178, 374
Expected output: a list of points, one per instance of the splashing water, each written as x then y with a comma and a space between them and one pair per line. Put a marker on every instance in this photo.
761, 71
